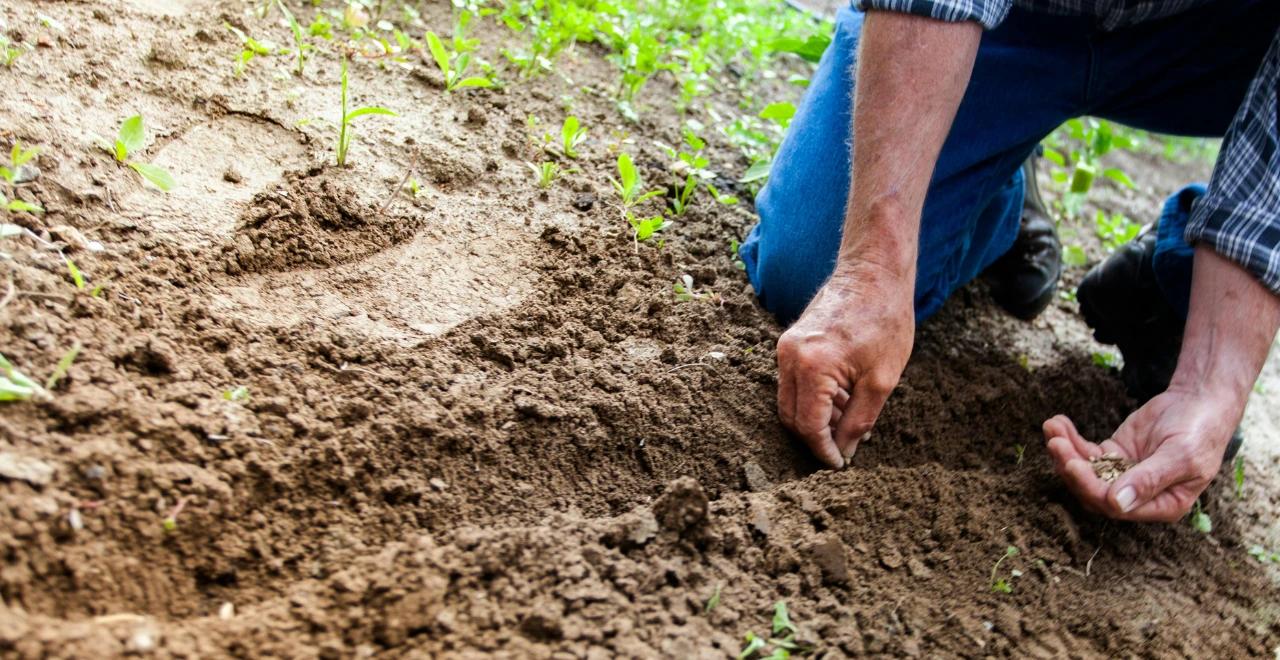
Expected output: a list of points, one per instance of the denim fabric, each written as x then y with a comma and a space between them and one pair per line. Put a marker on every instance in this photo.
1033, 72
1173, 257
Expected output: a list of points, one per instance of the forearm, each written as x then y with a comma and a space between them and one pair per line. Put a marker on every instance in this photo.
1230, 328
912, 74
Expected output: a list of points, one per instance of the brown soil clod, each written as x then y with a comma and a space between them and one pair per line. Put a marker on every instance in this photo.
1110, 466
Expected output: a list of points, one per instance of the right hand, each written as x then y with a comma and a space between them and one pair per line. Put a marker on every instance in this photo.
840, 361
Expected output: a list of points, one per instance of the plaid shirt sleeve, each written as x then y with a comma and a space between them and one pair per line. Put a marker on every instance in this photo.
1239, 218
989, 13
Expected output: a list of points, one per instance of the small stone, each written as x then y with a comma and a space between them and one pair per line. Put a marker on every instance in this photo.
828, 554
31, 470
75, 520
26, 174
232, 176
227, 611
759, 519
437, 483
755, 477
890, 558
584, 202
142, 641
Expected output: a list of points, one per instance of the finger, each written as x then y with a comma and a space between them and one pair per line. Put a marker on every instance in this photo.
869, 396
1062, 451
1085, 485
1144, 482
815, 397
1169, 506
837, 409
786, 393
1061, 426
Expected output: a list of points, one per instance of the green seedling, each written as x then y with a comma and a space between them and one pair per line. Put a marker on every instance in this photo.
714, 601
734, 247
545, 173
1199, 520
999, 584
300, 45
18, 206
754, 645
684, 194
644, 228
16, 386
10, 52
1237, 476
18, 157
249, 48
346, 118
779, 113
1074, 255
571, 135
1263, 555
64, 365
782, 619
629, 184
684, 289
1105, 359
726, 200
1024, 361
1115, 229
131, 139
236, 394
454, 64
77, 277
1020, 451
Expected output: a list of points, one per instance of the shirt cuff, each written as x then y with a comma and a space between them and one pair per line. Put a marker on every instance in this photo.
989, 13
1244, 234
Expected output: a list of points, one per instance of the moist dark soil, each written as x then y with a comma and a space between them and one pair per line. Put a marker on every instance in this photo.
478, 421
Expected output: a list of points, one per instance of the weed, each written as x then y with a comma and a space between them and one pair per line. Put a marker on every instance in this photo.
1200, 520
1115, 229
1105, 359
131, 138
18, 157
18, 206
629, 184
644, 228
1020, 451
1094, 139
64, 365
546, 173
15, 386
1237, 476
249, 48
1263, 555
714, 601
571, 135
300, 45
1074, 255
733, 254
454, 62
783, 638
236, 394
754, 645
77, 277
684, 289
10, 52
344, 130
999, 584
680, 203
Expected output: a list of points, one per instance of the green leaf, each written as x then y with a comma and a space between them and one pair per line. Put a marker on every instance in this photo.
1073, 255
1237, 475
19, 156
158, 176
122, 152
810, 49
438, 52
714, 601
14, 385
779, 112
76, 275
781, 619
754, 644
474, 82
19, 206
1118, 175
627, 173
1201, 523
1082, 179
1054, 156
63, 366
133, 136
361, 112
758, 170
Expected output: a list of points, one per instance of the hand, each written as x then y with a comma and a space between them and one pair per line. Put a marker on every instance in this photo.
838, 363
1176, 440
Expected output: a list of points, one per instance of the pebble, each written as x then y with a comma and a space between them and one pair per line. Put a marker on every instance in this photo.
31, 470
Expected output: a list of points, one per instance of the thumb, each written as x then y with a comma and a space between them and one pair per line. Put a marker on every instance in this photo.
860, 414
1145, 481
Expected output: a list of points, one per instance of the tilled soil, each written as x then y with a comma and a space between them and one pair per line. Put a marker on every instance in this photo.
478, 421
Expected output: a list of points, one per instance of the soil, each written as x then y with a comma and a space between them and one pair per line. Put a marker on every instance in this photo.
478, 421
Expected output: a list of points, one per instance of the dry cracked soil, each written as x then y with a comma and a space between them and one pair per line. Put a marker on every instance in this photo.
479, 423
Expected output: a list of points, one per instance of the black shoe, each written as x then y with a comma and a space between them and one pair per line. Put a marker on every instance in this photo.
1122, 302
1024, 280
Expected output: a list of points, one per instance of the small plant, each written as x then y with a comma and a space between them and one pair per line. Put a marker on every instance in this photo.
783, 638
64, 365
1020, 451
1237, 476
734, 247
10, 52
1105, 359
1200, 520
571, 135
644, 228
300, 45
1263, 555
546, 173
16, 386
629, 184
684, 289
344, 126
19, 206
131, 139
714, 601
18, 157
249, 48
236, 394
454, 64
999, 584
1115, 229
684, 194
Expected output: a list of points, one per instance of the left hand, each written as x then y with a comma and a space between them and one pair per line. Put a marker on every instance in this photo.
1176, 440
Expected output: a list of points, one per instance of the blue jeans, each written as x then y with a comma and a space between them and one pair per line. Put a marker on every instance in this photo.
1184, 75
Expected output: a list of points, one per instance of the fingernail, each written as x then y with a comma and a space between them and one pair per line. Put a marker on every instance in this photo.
1126, 497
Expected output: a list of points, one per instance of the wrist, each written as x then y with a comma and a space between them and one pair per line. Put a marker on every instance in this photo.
879, 245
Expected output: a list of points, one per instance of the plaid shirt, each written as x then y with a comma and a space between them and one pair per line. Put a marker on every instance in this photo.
1239, 218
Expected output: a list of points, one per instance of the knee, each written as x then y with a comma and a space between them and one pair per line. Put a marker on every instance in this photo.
785, 275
